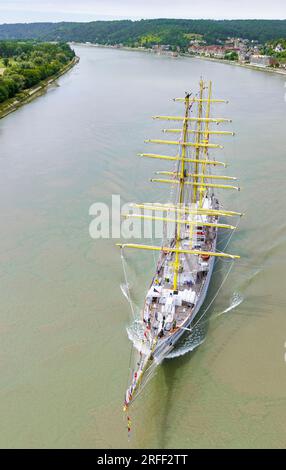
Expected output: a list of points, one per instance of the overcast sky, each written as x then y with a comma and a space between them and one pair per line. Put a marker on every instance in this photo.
12, 11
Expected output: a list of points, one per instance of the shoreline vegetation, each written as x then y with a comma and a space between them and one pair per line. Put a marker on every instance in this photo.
29, 68
184, 54
30, 94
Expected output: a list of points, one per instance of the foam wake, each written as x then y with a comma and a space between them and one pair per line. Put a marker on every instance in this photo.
125, 289
197, 337
188, 343
236, 300
135, 334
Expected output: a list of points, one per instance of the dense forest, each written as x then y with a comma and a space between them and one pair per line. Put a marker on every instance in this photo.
24, 64
147, 32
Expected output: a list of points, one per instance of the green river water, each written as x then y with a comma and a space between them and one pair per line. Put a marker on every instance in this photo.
64, 352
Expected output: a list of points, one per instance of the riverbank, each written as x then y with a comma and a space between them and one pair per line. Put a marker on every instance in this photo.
238, 64
221, 61
30, 94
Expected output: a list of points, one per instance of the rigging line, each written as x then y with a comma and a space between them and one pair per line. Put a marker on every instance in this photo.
224, 242
251, 265
208, 320
155, 261
129, 366
127, 285
217, 292
231, 235
223, 239
216, 271
146, 381
228, 238
134, 369
154, 257
141, 384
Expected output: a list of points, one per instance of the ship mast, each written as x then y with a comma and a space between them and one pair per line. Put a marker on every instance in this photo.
198, 140
206, 141
182, 177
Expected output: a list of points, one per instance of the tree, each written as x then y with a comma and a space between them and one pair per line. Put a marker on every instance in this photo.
32, 77
19, 80
10, 86
32, 62
231, 56
4, 94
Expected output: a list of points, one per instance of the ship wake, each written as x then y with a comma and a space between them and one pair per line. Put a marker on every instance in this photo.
135, 333
236, 300
188, 343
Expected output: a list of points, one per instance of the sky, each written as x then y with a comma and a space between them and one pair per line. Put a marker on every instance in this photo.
25, 11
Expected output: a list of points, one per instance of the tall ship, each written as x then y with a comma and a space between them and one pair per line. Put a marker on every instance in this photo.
186, 256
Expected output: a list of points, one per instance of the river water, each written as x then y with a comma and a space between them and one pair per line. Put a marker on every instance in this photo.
64, 351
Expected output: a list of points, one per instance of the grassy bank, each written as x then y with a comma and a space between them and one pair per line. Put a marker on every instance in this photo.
24, 97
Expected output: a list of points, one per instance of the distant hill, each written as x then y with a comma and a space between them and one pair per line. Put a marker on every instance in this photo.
147, 32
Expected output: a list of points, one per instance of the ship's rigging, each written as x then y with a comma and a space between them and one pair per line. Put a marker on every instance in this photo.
186, 258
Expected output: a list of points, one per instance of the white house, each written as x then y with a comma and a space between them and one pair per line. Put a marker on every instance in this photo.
279, 48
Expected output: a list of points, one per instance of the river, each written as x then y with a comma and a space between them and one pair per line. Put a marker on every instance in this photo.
64, 351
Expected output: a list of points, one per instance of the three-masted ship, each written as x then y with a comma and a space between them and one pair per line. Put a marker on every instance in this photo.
186, 259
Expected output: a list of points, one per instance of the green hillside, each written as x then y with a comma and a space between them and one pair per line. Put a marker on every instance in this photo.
147, 32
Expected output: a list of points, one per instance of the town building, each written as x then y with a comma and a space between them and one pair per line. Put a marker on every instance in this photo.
279, 48
263, 60
215, 51
243, 56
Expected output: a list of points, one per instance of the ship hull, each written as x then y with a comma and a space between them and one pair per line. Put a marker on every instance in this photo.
168, 344
154, 359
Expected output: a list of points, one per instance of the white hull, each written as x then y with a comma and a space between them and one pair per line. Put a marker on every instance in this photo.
165, 348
